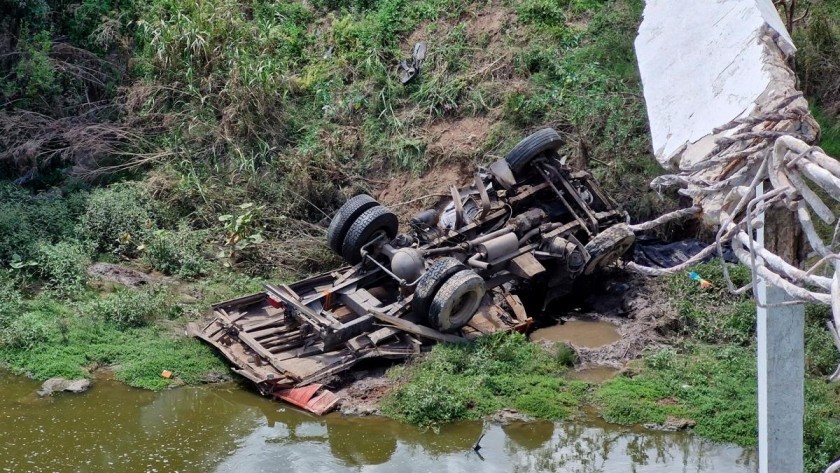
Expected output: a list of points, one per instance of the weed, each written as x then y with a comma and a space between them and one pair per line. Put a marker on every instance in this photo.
178, 252
131, 308
117, 220
63, 266
714, 387
713, 315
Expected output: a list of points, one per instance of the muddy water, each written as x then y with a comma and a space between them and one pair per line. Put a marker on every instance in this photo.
593, 374
582, 333
228, 429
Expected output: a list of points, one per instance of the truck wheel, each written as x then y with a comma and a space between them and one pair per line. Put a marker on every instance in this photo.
531, 147
344, 218
372, 223
456, 301
608, 246
434, 277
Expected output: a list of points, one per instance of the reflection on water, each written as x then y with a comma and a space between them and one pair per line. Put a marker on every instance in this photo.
228, 429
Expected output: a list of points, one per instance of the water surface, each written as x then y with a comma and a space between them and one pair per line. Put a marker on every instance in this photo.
582, 333
227, 428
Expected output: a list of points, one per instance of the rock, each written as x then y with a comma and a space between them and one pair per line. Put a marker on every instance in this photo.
672, 424
60, 384
506, 416
119, 274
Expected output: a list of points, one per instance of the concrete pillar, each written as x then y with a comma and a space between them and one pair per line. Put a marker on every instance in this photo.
781, 383
781, 360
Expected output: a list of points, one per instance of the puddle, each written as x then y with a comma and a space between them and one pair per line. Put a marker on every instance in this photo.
594, 374
225, 428
582, 333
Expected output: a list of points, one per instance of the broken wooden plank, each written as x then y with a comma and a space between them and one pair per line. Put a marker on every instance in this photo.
517, 307
420, 330
526, 266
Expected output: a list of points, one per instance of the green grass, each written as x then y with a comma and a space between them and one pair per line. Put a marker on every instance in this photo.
713, 386
49, 337
830, 139
713, 315
470, 381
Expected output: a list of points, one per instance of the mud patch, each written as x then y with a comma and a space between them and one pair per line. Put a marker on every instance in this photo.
363, 392
594, 374
635, 306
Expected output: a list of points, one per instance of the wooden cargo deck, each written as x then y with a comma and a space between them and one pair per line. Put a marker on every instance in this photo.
271, 339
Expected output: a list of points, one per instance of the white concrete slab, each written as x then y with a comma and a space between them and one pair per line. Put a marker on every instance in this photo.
702, 65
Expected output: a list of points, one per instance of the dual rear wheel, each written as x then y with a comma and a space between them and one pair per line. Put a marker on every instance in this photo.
447, 295
358, 222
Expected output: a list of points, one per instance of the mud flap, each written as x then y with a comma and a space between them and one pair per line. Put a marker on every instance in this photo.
306, 398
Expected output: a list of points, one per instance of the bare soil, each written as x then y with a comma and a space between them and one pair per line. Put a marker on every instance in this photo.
407, 194
363, 391
461, 138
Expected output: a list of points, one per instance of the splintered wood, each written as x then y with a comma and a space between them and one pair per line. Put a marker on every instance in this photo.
290, 360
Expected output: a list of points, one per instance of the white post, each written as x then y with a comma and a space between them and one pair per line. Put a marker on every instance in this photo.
781, 379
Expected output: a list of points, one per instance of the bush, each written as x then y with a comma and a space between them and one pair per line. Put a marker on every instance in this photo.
131, 308
11, 304
34, 77
63, 266
179, 252
117, 219
27, 221
27, 324
29, 329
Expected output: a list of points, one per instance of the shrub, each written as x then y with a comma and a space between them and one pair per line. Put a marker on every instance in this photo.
117, 219
28, 330
178, 252
11, 304
34, 76
130, 308
63, 266
27, 221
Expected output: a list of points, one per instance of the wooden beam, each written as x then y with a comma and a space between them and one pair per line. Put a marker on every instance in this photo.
420, 330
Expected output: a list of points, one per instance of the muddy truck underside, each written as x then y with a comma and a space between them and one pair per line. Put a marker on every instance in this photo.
525, 230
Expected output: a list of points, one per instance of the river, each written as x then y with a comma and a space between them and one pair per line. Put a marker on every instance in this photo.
227, 428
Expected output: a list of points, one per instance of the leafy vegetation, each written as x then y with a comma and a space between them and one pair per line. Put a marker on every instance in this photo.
713, 382
117, 220
469, 381
713, 386
180, 252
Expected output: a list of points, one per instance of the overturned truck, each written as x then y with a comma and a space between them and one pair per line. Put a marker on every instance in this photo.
525, 230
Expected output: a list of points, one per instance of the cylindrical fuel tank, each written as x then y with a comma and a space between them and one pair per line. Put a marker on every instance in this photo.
498, 247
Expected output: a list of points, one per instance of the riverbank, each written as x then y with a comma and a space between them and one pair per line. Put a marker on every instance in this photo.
223, 427
686, 359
